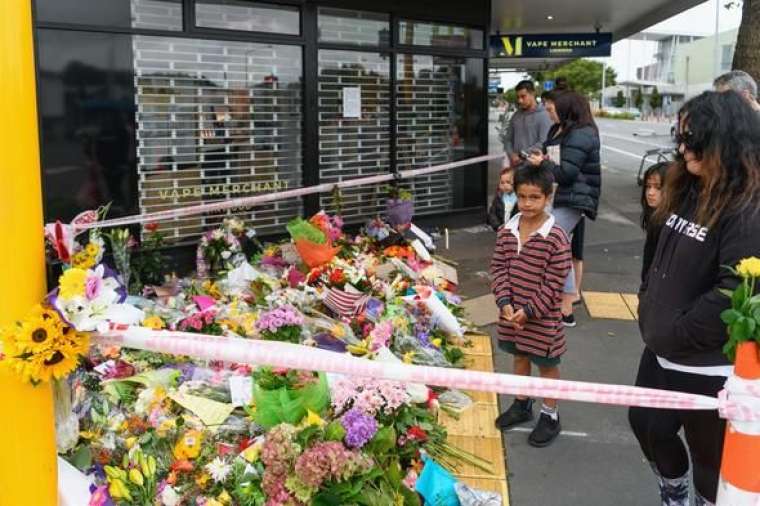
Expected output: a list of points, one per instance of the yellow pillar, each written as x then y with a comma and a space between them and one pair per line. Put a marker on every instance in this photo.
27, 439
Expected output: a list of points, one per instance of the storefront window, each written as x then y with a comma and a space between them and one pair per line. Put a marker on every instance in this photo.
217, 120
247, 16
354, 126
149, 14
415, 33
87, 122
439, 113
354, 27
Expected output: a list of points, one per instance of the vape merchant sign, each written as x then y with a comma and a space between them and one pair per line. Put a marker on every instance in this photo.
556, 45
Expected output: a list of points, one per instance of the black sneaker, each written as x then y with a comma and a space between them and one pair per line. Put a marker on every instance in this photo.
546, 431
568, 320
520, 411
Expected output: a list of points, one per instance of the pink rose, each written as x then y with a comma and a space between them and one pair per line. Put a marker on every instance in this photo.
92, 287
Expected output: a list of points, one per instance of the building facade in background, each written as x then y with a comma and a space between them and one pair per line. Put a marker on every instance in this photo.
155, 104
684, 66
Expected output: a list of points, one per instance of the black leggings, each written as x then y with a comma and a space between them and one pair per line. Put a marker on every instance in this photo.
657, 429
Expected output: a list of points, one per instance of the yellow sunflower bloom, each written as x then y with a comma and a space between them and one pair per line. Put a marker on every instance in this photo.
71, 283
59, 363
749, 267
39, 332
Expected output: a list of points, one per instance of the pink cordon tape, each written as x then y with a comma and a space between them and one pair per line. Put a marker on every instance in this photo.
739, 401
272, 197
293, 356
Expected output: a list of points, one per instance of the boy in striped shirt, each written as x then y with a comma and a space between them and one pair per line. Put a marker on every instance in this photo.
528, 270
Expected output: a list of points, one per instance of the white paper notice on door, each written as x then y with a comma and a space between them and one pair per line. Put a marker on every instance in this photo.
352, 102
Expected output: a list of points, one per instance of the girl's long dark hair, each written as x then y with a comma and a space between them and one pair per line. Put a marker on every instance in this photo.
660, 169
724, 134
573, 110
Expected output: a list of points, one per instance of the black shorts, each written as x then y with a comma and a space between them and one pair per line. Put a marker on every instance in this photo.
576, 243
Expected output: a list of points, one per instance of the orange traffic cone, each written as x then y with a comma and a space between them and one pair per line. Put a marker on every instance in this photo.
740, 467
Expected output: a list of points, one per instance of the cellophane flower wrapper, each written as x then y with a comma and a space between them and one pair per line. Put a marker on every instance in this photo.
300, 229
442, 316
469, 496
421, 354
315, 254
286, 405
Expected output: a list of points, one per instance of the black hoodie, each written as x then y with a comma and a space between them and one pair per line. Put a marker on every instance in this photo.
680, 302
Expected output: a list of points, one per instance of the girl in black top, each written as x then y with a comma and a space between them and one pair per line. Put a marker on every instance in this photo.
651, 197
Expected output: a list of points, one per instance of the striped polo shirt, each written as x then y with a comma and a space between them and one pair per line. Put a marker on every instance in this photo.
532, 276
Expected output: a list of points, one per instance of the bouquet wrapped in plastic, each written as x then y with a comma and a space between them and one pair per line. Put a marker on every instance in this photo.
443, 317
288, 396
311, 243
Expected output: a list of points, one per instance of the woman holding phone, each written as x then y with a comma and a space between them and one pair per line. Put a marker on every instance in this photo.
571, 151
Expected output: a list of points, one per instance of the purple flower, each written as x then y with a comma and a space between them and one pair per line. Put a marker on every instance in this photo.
374, 308
100, 496
360, 428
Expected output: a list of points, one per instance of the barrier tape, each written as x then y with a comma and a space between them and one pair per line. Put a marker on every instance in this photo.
271, 197
294, 356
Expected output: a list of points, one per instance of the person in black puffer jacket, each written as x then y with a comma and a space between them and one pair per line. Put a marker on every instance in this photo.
571, 151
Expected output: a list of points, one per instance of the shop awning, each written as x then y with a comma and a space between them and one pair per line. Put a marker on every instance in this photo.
623, 18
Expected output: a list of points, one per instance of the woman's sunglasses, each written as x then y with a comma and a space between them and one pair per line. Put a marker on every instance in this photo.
688, 140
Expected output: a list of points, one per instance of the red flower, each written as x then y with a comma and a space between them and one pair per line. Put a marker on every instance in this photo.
245, 443
417, 433
337, 277
432, 397
224, 449
151, 227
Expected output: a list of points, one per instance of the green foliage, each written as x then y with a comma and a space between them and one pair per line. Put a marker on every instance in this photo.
616, 115
655, 99
638, 98
619, 100
149, 264
583, 76
743, 317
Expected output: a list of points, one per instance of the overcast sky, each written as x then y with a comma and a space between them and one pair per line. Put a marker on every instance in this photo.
699, 20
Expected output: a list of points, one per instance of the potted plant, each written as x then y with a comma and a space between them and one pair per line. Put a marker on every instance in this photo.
400, 206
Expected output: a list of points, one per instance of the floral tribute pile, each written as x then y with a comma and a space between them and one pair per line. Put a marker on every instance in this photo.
155, 429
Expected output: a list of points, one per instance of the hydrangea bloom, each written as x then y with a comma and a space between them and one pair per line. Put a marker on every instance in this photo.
371, 396
360, 428
278, 317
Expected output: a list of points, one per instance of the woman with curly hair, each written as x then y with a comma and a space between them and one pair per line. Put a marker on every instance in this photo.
710, 218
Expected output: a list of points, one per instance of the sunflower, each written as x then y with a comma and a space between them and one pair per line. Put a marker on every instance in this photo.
39, 332
78, 341
54, 364
72, 283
